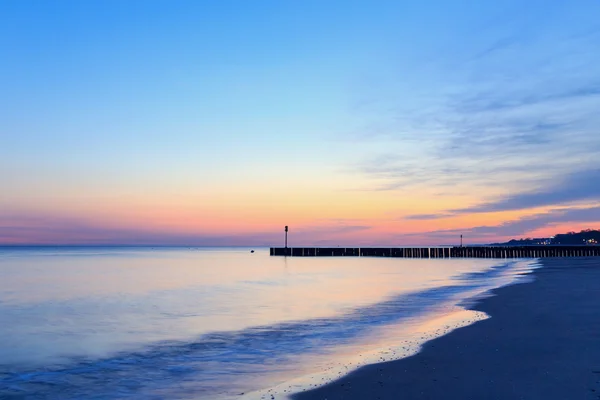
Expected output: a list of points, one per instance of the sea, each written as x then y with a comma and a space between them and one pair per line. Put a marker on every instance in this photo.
219, 323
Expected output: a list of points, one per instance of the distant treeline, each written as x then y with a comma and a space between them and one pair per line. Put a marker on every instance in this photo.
587, 236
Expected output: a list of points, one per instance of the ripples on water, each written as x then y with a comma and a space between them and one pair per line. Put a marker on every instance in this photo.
210, 323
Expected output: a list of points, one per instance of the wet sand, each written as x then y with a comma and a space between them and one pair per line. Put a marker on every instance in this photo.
541, 342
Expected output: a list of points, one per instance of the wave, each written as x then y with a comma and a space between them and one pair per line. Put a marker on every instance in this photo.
197, 368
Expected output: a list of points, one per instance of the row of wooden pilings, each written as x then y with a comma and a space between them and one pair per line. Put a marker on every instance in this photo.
441, 252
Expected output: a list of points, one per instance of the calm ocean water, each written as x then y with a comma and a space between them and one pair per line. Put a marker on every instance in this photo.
189, 323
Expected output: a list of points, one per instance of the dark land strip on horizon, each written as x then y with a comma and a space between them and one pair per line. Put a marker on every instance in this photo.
541, 342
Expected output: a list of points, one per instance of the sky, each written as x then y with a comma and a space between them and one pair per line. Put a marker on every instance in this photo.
368, 122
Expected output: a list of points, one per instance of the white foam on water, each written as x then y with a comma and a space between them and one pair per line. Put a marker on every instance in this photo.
406, 342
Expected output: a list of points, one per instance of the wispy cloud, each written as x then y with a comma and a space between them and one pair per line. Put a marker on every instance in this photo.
500, 44
521, 116
575, 187
496, 101
424, 217
517, 228
39, 228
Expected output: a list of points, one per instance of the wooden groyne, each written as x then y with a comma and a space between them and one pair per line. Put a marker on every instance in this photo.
441, 252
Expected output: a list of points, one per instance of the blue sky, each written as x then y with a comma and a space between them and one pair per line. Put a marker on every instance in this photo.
220, 121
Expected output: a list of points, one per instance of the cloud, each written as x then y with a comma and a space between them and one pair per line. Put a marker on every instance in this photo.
500, 44
389, 173
39, 228
524, 225
517, 228
424, 217
494, 101
517, 114
574, 187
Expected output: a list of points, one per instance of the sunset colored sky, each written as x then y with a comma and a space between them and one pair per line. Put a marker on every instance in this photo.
372, 122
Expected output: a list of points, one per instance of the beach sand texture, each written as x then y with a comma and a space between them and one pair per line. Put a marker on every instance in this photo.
541, 342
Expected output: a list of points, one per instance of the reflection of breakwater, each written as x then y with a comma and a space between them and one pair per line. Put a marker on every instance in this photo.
441, 252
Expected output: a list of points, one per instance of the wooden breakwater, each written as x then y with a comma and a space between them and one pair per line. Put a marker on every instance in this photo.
441, 252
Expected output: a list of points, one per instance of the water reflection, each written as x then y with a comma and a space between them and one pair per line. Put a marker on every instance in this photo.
185, 322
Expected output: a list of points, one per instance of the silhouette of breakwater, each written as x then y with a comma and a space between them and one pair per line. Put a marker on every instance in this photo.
441, 252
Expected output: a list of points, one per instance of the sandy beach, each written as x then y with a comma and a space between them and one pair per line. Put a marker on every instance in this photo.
541, 342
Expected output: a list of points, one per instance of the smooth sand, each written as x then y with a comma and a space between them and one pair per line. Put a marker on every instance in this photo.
541, 342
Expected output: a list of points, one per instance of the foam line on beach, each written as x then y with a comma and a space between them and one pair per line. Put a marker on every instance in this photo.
410, 345
412, 341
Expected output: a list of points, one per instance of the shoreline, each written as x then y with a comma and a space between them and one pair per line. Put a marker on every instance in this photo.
410, 345
541, 342
421, 330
